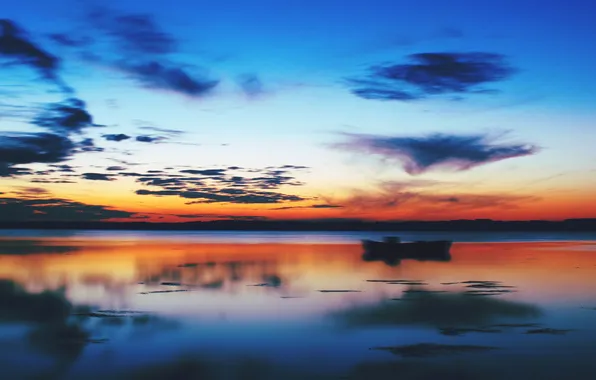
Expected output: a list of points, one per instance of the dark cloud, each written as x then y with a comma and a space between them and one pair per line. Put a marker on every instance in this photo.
55, 209
149, 139
97, 177
251, 85
88, 145
133, 174
218, 185
254, 197
63, 168
420, 154
65, 117
27, 148
432, 74
141, 49
218, 196
168, 77
115, 168
12, 171
158, 192
62, 119
205, 172
15, 44
169, 181
273, 180
296, 167
116, 137
133, 33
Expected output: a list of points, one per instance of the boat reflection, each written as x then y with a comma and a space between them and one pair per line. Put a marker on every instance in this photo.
392, 250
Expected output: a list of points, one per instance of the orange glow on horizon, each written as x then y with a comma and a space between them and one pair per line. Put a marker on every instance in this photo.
555, 205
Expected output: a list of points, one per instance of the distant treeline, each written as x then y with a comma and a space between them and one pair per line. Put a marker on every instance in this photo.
583, 225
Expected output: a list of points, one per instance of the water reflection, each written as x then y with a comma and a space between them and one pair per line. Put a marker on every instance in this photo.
47, 316
428, 308
56, 328
224, 275
167, 309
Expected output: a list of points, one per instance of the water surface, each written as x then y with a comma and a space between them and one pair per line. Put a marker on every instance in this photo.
145, 305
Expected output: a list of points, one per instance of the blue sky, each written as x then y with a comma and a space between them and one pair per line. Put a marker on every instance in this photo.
277, 91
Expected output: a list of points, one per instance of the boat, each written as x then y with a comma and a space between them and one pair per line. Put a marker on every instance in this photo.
392, 249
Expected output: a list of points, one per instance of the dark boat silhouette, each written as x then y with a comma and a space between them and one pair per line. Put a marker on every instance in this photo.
391, 250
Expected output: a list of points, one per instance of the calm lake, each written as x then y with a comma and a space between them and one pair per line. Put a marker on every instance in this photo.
290, 305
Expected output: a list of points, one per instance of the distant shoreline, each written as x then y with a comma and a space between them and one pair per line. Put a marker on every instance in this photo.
478, 225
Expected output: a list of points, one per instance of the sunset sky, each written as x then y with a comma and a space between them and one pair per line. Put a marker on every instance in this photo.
378, 109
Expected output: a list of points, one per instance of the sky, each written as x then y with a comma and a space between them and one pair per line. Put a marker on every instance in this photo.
327, 109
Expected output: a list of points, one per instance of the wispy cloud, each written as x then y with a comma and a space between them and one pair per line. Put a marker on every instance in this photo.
64, 120
420, 154
72, 41
419, 196
317, 206
133, 33
30, 192
135, 45
16, 44
167, 131
430, 74
169, 77
251, 85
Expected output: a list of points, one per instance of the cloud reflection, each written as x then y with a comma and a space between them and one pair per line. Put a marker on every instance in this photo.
435, 310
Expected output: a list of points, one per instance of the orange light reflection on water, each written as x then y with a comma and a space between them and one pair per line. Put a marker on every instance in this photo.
220, 278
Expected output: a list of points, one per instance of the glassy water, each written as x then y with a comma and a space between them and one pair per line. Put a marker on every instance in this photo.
298, 306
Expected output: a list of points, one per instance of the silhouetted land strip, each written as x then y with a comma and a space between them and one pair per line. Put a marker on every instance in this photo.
575, 225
